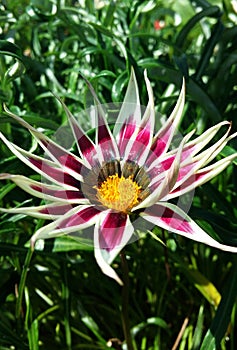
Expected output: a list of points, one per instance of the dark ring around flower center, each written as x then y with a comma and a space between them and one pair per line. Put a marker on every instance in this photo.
97, 176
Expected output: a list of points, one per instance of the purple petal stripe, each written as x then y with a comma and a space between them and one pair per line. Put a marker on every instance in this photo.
55, 174
172, 218
64, 158
79, 218
58, 194
105, 140
111, 230
127, 130
163, 138
85, 146
140, 145
55, 210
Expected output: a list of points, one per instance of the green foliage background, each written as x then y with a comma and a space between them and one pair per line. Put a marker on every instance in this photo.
58, 298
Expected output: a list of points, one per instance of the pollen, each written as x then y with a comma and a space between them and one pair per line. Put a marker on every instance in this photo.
119, 193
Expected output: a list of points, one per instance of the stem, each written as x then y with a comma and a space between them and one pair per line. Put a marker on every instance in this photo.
125, 302
167, 266
66, 296
22, 283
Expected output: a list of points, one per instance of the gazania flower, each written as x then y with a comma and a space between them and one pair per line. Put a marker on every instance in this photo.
120, 176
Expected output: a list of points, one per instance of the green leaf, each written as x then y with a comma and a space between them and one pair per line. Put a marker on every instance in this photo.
227, 151
155, 321
110, 14
67, 244
205, 286
196, 92
118, 86
212, 11
102, 29
15, 71
223, 315
197, 336
104, 73
10, 49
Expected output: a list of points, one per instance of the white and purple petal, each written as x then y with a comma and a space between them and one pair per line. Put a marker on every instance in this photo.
163, 138
78, 218
200, 177
85, 146
171, 218
105, 143
48, 169
138, 146
62, 157
130, 112
50, 211
46, 191
196, 145
112, 232
104, 138
191, 166
164, 181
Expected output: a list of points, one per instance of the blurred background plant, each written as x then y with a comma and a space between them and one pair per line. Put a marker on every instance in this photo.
180, 297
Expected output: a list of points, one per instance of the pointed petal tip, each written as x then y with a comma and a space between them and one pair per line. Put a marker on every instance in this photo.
172, 218
105, 267
183, 87
5, 176
226, 248
133, 80
149, 90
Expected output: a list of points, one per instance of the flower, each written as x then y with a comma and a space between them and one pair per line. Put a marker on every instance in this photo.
120, 176
159, 24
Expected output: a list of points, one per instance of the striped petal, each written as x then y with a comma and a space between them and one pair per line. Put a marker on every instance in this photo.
172, 218
45, 191
130, 112
195, 146
106, 145
78, 218
165, 135
193, 165
138, 146
85, 146
126, 126
50, 211
105, 140
112, 232
42, 166
163, 183
200, 177
59, 155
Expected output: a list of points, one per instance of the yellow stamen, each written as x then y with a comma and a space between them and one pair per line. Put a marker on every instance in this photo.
119, 193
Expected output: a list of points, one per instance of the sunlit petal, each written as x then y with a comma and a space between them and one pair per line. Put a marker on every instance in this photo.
172, 218
46, 191
111, 234
62, 157
50, 211
130, 109
85, 146
165, 135
200, 177
78, 218
138, 147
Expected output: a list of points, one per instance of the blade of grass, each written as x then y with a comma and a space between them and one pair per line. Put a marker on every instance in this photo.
220, 323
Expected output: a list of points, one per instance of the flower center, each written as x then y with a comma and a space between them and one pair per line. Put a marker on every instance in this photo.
119, 193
